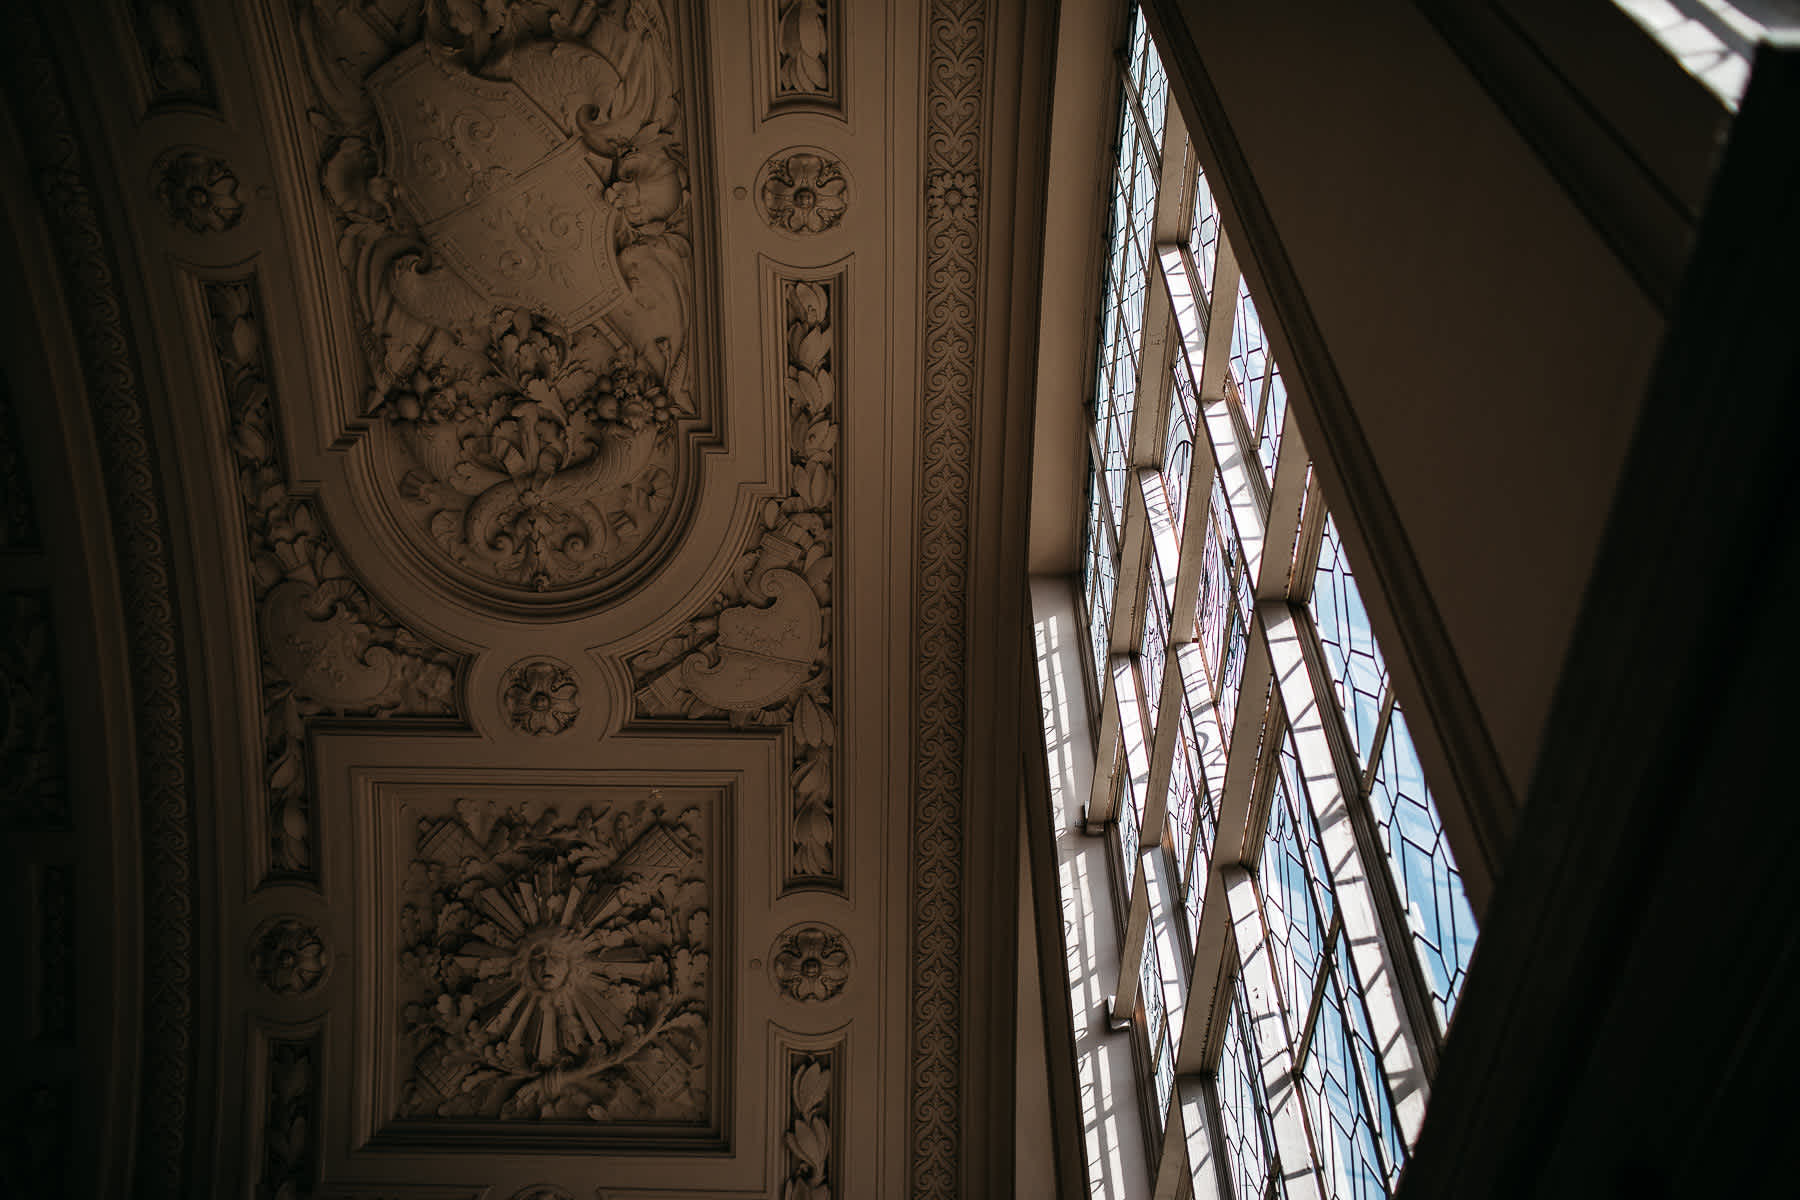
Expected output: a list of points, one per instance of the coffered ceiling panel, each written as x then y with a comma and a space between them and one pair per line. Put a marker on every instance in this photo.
565, 417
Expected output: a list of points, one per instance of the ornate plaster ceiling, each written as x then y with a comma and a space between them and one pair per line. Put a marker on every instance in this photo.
565, 414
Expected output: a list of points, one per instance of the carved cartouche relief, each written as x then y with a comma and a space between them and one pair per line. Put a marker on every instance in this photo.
802, 191
199, 191
759, 652
539, 696
811, 963
328, 648
558, 964
510, 189
288, 956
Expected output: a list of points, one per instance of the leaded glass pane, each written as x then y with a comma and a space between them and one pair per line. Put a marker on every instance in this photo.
1342, 1132
1153, 649
1131, 820
1203, 233
1147, 73
1423, 869
1358, 672
1291, 916
1243, 1115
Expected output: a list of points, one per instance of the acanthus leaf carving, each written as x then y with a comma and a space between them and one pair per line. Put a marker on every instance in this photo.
328, 647
808, 45
511, 193
33, 747
810, 1139
290, 1163
560, 964
173, 56
759, 653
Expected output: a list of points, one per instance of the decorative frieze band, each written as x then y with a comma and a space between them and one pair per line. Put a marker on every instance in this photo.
760, 653
328, 647
954, 87
37, 93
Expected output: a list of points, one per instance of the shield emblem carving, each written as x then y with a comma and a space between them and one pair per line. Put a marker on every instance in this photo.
504, 196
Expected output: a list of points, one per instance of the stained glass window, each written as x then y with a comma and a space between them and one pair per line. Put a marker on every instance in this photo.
1284, 886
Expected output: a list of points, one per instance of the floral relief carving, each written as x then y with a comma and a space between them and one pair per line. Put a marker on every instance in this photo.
811, 963
803, 191
809, 1139
950, 196
288, 957
759, 654
540, 696
509, 183
560, 964
199, 191
328, 648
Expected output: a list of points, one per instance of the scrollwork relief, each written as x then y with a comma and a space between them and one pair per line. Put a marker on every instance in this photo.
760, 652
810, 1139
510, 187
560, 964
540, 696
802, 191
199, 191
955, 93
328, 647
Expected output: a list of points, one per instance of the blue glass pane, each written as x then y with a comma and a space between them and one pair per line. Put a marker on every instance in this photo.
1249, 356
1203, 233
1148, 74
1154, 648
1423, 869
1131, 819
1358, 672
1343, 1134
1296, 929
1243, 1114
1268, 445
1389, 1141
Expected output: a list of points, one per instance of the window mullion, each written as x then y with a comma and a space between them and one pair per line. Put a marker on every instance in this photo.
1275, 1061
1287, 500
1331, 792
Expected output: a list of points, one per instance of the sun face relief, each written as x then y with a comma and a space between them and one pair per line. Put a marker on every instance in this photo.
512, 211
559, 965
